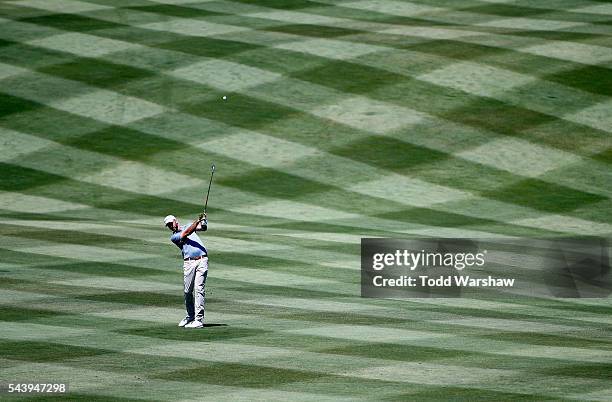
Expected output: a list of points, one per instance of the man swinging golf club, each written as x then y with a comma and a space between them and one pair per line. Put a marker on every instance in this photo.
195, 267
195, 262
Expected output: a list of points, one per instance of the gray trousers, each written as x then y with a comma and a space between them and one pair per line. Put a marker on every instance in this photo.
194, 277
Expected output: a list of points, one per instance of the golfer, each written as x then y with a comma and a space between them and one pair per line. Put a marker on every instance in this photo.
195, 266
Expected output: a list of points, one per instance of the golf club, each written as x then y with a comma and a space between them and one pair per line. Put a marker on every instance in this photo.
212, 172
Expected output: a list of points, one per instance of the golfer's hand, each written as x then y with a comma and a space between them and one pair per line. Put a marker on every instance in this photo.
202, 217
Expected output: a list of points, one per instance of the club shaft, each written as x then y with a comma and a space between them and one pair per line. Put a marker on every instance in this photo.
208, 192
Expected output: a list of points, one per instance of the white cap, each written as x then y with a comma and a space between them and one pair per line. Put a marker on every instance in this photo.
169, 218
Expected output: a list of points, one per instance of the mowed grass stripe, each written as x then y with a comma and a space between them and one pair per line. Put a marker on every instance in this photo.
184, 9
112, 171
117, 273
571, 145
296, 259
468, 344
513, 313
495, 307
87, 159
246, 370
251, 248
411, 197
397, 182
554, 109
464, 21
116, 385
433, 318
149, 317
423, 378
147, 236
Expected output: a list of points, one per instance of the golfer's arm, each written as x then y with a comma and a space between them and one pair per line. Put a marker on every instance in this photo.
190, 229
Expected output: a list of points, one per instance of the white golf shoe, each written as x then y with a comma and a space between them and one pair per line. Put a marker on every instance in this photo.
195, 324
185, 321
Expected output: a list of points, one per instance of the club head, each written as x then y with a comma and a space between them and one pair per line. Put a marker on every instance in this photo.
212, 167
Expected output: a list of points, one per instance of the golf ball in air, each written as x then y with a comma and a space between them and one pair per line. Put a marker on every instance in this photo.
224, 97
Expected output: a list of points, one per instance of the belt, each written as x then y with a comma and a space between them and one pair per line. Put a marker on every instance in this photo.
194, 258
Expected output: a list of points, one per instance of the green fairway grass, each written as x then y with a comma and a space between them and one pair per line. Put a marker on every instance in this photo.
343, 119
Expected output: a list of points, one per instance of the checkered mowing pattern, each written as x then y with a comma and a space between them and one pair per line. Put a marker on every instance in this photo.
343, 119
